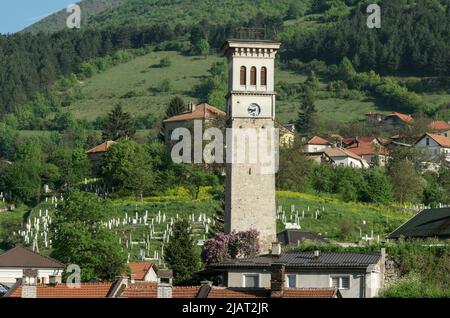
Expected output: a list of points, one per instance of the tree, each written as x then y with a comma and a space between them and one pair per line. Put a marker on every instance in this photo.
377, 187
295, 170
408, 184
234, 245
181, 254
202, 47
81, 238
118, 125
127, 167
306, 115
175, 107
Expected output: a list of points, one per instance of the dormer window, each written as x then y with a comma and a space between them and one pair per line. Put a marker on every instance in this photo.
263, 76
253, 76
243, 75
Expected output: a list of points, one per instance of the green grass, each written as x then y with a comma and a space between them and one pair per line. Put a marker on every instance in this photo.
382, 220
141, 76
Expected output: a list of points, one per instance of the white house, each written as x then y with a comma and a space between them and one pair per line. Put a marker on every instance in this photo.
144, 272
355, 275
317, 144
345, 158
15, 261
436, 146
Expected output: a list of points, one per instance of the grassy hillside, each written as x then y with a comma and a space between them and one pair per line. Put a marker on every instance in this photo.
134, 84
57, 21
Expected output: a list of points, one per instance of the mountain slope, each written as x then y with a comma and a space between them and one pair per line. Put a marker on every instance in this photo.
57, 21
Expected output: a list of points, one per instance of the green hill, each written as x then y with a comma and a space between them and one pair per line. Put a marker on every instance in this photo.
134, 84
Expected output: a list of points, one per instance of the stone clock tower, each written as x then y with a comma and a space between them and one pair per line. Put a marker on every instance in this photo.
250, 189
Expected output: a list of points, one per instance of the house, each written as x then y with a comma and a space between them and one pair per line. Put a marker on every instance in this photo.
430, 223
356, 275
345, 158
95, 155
436, 146
396, 119
317, 144
15, 261
143, 271
296, 237
287, 135
207, 114
372, 152
440, 127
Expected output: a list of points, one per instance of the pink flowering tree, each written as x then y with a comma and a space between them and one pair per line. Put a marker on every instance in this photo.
230, 246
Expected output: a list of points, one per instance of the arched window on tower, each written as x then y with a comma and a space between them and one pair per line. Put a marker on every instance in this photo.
243, 75
263, 76
253, 76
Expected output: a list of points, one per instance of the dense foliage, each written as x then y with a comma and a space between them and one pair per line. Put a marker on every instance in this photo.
80, 237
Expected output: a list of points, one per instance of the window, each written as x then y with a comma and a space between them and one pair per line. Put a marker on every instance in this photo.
341, 282
243, 75
251, 280
253, 76
428, 141
263, 76
291, 281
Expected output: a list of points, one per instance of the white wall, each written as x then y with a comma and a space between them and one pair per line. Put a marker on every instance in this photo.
348, 162
433, 149
316, 148
10, 275
362, 285
151, 276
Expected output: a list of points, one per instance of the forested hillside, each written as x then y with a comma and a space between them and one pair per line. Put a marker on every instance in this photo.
417, 43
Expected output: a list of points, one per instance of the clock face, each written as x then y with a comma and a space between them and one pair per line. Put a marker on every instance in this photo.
254, 110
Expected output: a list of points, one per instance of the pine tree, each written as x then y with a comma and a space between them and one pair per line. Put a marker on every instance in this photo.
305, 120
175, 107
119, 125
181, 254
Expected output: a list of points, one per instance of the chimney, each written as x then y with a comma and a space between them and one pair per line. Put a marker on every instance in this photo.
276, 249
29, 282
164, 287
316, 254
277, 280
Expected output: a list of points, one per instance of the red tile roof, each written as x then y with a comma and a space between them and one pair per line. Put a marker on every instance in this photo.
218, 292
367, 149
310, 293
139, 270
439, 139
403, 117
140, 290
91, 290
102, 148
316, 140
440, 125
185, 291
201, 111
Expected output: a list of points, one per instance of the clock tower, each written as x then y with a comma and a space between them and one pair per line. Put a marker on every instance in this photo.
250, 187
